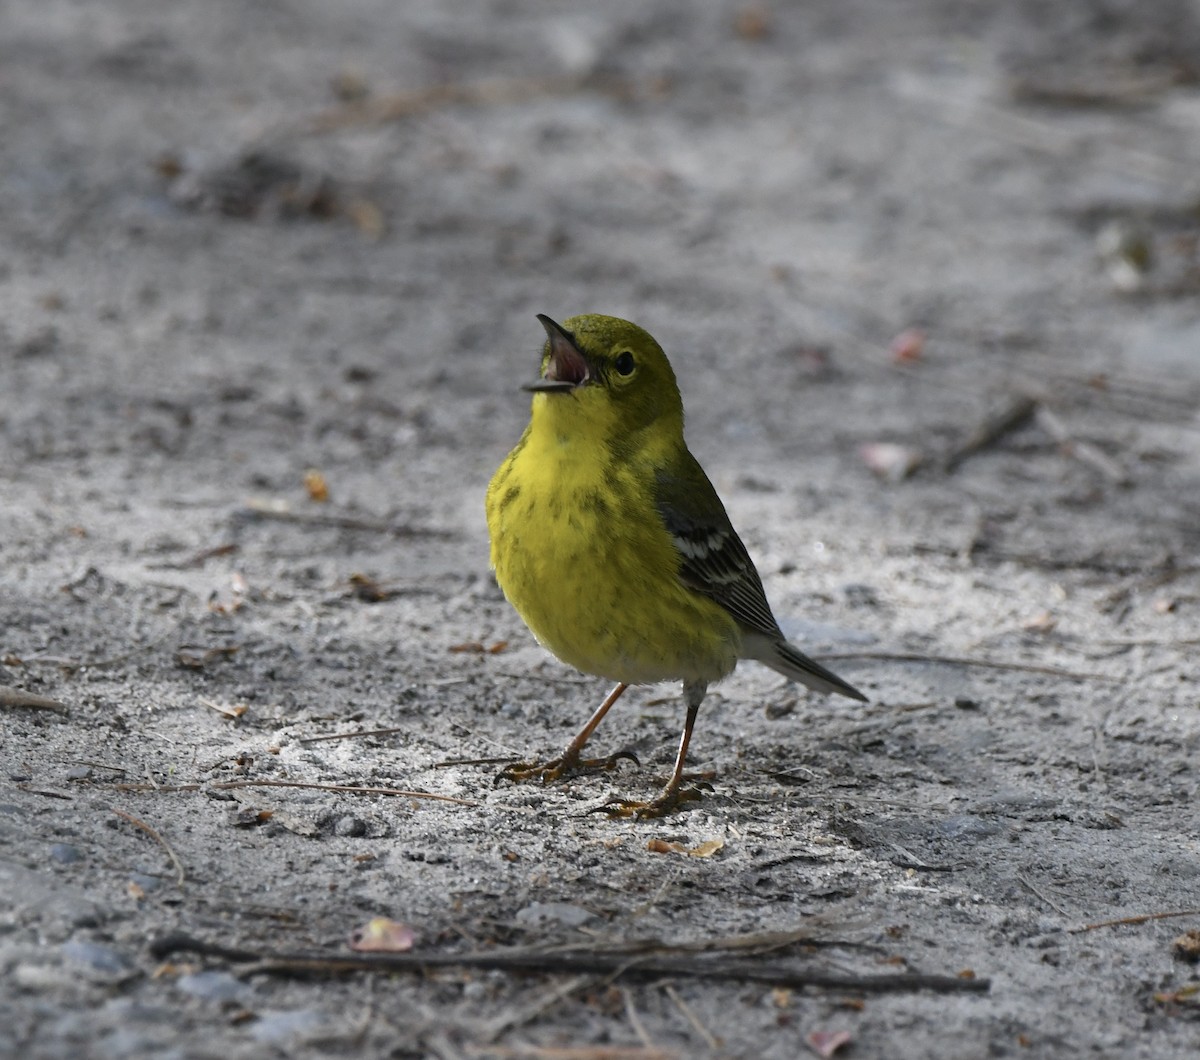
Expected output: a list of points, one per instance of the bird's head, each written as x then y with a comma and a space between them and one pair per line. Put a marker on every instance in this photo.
605, 374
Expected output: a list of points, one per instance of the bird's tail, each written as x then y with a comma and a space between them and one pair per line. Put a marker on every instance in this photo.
790, 661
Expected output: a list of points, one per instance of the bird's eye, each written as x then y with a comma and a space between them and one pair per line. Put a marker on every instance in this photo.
624, 363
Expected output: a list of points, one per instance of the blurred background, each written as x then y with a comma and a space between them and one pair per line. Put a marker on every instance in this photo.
240, 241
928, 272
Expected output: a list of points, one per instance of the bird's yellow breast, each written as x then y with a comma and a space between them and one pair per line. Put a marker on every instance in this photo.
582, 554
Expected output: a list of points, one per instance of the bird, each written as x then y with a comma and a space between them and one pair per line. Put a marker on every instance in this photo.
613, 546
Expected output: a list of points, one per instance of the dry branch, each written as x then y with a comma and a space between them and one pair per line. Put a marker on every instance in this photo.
1016, 413
154, 834
15, 698
639, 962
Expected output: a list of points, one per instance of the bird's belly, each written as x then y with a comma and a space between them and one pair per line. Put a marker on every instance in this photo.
596, 580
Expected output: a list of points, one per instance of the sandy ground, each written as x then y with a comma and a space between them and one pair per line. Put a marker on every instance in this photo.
242, 241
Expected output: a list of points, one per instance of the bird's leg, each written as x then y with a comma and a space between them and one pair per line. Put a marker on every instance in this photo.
569, 761
673, 795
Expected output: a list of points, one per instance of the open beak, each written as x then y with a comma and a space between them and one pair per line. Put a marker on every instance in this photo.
566, 368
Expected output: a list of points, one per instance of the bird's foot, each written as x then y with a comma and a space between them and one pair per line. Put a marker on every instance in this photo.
667, 801
564, 765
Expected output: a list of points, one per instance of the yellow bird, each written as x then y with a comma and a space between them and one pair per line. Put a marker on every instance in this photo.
613, 546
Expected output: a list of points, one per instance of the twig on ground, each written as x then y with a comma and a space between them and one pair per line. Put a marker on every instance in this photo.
635, 1021
148, 786
638, 962
1028, 885
198, 559
519, 1015
962, 660
574, 1052
909, 860
1028, 404
15, 698
1010, 125
137, 822
445, 763
537, 675
1145, 918
100, 664
1150, 642
1016, 413
45, 793
348, 789
356, 735
262, 513
1084, 452
233, 712
439, 1044
710, 1039
401, 105
108, 766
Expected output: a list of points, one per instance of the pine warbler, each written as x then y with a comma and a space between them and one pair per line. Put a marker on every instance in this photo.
613, 546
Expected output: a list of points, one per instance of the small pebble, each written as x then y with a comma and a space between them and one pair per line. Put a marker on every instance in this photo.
349, 826
967, 826
41, 977
280, 1027
145, 881
553, 912
474, 991
214, 986
105, 960
65, 854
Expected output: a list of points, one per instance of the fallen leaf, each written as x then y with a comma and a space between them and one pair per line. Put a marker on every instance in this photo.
366, 588
349, 86
1185, 995
704, 850
907, 347
317, 486
231, 598
752, 23
476, 647
196, 658
367, 217
707, 849
1043, 622
826, 1043
1187, 945
229, 710
661, 846
889, 460
249, 817
381, 935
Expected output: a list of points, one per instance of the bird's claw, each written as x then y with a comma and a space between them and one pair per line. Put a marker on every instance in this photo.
665, 803
520, 772
610, 762
563, 766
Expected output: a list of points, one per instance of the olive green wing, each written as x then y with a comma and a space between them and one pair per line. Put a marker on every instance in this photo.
712, 559
714, 562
